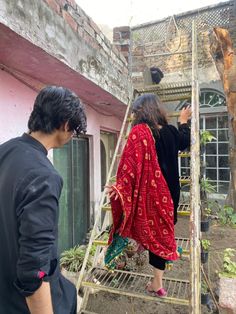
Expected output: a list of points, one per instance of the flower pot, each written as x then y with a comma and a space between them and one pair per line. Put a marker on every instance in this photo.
204, 256
130, 253
205, 225
120, 265
205, 298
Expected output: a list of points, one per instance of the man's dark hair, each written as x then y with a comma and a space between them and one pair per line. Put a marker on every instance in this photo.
53, 107
147, 109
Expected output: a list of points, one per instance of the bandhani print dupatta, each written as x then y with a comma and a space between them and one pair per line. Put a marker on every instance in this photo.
144, 209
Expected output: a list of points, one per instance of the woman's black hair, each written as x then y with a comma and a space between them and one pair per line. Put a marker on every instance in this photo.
146, 109
53, 107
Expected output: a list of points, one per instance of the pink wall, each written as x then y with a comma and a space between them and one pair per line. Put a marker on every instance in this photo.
16, 101
96, 122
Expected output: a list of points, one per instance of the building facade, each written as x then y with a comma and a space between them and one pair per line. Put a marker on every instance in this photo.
53, 42
166, 44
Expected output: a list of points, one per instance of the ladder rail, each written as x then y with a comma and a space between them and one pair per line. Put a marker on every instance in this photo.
98, 214
195, 304
191, 288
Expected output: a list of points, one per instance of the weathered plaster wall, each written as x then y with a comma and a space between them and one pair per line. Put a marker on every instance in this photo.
96, 123
15, 106
63, 30
16, 103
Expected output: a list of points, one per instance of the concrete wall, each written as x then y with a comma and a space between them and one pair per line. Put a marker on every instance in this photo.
63, 30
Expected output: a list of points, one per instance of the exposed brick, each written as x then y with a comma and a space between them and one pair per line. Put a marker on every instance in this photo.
76, 16
99, 39
54, 5
69, 19
72, 3
116, 36
121, 29
125, 48
80, 31
94, 26
61, 3
89, 30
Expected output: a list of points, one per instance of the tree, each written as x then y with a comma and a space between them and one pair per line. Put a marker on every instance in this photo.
225, 59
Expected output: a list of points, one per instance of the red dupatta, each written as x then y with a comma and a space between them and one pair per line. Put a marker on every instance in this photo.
144, 209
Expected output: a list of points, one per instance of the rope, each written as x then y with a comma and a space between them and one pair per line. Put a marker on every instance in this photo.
172, 18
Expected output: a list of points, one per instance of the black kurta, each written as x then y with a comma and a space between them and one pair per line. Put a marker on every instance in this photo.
168, 144
30, 188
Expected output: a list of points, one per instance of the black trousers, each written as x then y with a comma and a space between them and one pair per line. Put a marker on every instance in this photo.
157, 261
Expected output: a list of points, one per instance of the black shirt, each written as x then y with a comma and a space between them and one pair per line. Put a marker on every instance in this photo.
30, 188
169, 142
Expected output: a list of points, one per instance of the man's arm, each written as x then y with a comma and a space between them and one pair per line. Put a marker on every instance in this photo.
40, 302
37, 217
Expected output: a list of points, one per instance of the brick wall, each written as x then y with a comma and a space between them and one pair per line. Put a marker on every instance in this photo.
121, 40
171, 35
84, 26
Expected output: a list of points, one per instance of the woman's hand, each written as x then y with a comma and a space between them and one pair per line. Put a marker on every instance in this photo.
112, 193
185, 115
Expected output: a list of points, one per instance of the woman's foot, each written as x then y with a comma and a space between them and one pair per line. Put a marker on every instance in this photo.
160, 292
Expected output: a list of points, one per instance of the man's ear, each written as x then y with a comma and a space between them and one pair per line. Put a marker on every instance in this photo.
66, 126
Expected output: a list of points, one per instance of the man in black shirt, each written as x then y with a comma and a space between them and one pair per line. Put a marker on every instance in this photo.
30, 188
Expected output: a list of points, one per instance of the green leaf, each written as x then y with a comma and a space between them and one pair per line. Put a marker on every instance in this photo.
233, 218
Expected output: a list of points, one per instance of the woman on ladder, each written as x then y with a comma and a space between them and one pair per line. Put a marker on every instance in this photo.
145, 198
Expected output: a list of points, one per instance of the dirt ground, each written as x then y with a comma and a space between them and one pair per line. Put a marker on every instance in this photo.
220, 237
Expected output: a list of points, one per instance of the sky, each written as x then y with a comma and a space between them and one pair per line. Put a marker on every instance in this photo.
133, 12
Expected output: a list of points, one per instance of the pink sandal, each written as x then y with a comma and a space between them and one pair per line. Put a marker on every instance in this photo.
161, 293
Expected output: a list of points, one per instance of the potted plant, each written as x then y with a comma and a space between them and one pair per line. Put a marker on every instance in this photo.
205, 295
71, 262
205, 186
131, 248
227, 282
121, 262
205, 189
205, 244
205, 219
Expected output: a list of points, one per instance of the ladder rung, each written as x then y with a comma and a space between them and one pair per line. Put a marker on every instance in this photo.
133, 284
130, 119
184, 180
184, 154
106, 207
166, 87
183, 210
100, 242
113, 179
184, 243
174, 97
173, 114
181, 242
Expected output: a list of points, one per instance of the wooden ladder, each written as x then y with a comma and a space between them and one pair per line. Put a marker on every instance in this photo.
179, 291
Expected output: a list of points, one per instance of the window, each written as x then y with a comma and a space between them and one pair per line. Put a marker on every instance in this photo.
216, 153
72, 162
213, 118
